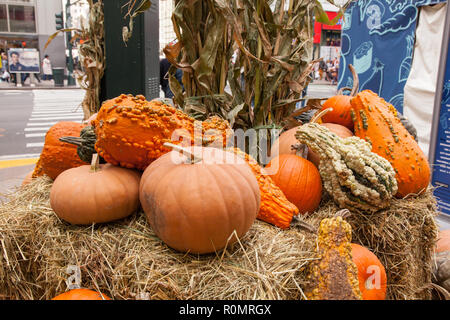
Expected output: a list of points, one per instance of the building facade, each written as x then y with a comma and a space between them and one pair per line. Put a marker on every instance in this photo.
29, 24
166, 33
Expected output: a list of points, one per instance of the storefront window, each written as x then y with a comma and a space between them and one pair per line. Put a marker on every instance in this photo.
3, 18
22, 19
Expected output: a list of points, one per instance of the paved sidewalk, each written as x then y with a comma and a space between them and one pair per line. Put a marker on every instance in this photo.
12, 177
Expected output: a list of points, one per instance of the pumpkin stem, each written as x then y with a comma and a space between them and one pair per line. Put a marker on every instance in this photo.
320, 115
72, 140
95, 163
355, 88
193, 158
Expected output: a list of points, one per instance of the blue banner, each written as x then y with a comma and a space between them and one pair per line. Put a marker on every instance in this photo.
441, 168
378, 40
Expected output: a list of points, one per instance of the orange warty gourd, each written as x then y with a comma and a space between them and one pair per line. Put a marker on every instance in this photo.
81, 294
91, 119
57, 156
341, 105
299, 179
199, 205
371, 273
443, 243
275, 208
376, 121
95, 193
131, 131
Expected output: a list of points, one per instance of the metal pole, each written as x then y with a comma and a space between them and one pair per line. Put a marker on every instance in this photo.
70, 79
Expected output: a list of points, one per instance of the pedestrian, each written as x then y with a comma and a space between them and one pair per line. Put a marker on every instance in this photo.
4, 74
164, 65
322, 69
47, 68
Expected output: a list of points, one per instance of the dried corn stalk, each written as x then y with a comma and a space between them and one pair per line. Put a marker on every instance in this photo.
92, 53
272, 45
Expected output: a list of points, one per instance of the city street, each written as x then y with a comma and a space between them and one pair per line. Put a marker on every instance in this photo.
26, 115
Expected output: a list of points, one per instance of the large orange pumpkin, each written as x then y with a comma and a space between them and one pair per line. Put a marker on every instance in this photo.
199, 206
57, 156
299, 179
443, 243
81, 294
371, 273
95, 193
341, 105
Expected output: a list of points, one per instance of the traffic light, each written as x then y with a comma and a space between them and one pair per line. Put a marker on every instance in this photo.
59, 21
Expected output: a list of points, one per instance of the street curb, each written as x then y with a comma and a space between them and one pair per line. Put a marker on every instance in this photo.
5, 164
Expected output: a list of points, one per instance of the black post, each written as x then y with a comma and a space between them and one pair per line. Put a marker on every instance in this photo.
131, 67
70, 79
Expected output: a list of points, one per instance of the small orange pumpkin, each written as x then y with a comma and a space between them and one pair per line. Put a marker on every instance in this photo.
299, 180
443, 243
95, 193
81, 294
341, 105
371, 273
200, 205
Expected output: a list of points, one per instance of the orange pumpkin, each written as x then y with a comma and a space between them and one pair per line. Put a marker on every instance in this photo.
299, 179
338, 129
81, 294
202, 205
443, 243
57, 156
95, 193
371, 273
376, 121
341, 105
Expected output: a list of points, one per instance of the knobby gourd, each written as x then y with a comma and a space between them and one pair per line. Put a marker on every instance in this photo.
275, 207
131, 131
56, 156
85, 144
355, 177
376, 121
333, 275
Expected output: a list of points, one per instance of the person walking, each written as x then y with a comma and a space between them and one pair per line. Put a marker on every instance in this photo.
47, 68
4, 74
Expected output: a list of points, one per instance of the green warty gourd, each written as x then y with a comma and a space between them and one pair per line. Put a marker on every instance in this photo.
356, 178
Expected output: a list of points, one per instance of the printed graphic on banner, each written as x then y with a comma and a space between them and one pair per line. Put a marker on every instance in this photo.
441, 167
22, 60
378, 39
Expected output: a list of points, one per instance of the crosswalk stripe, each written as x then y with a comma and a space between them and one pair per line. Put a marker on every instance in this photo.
45, 115
34, 135
29, 124
56, 118
35, 144
37, 129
